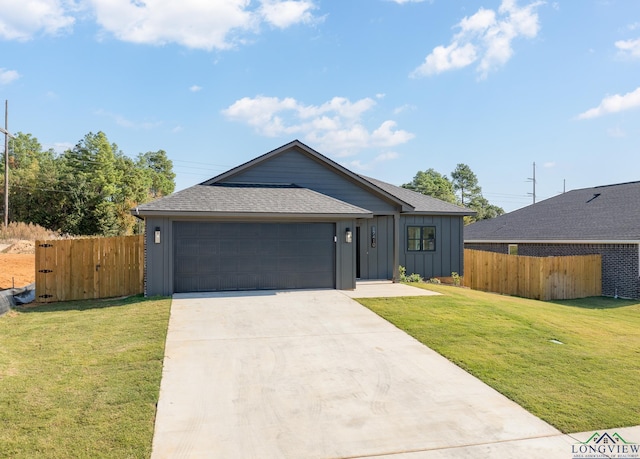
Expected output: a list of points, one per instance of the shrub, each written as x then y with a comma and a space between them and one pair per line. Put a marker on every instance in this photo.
26, 231
411, 277
456, 278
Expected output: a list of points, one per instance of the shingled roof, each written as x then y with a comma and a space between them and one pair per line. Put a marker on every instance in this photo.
422, 204
220, 197
599, 214
257, 199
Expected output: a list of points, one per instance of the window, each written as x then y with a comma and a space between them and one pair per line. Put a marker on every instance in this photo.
421, 238
513, 249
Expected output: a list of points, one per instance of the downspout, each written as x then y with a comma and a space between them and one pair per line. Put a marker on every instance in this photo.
396, 247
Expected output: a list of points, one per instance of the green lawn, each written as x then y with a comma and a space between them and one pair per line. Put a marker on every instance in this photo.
81, 379
590, 382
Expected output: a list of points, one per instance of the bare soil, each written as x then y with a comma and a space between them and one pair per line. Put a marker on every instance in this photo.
17, 264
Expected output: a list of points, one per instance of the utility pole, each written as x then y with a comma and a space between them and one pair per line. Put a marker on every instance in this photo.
5, 131
534, 183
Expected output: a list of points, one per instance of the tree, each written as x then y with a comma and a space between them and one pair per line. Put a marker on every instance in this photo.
32, 175
466, 182
92, 179
432, 183
87, 190
159, 169
484, 209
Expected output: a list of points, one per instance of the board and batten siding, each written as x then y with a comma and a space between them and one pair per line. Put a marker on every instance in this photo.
449, 254
376, 262
295, 167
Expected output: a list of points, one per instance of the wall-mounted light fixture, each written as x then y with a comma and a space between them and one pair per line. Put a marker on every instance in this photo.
156, 235
348, 236
374, 237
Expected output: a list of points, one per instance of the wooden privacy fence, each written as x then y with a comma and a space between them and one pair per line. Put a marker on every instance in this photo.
77, 269
540, 278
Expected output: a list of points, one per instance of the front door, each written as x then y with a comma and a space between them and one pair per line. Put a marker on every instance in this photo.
374, 249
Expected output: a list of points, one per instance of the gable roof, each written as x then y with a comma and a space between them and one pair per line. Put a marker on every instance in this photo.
599, 214
421, 203
296, 144
255, 200
220, 197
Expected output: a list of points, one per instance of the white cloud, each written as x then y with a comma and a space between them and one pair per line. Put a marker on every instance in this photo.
402, 2
616, 132
195, 88
549, 164
634, 26
8, 76
335, 125
357, 164
629, 48
484, 37
388, 156
403, 108
283, 14
21, 20
613, 104
199, 24
446, 58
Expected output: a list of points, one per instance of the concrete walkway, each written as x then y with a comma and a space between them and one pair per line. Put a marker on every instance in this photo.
313, 374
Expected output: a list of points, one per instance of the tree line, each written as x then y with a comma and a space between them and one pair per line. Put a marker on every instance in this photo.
462, 189
89, 189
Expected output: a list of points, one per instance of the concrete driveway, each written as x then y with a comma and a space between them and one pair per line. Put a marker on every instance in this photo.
313, 374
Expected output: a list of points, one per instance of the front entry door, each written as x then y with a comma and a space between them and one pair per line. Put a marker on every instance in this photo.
374, 250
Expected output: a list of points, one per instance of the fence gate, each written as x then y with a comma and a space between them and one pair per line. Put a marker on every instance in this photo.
77, 269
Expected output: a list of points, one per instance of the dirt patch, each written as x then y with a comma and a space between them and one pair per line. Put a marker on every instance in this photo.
20, 246
17, 269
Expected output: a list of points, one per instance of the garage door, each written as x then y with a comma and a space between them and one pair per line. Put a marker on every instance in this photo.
253, 256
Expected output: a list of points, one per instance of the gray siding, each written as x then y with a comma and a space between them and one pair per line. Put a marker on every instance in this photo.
449, 254
296, 167
159, 257
345, 257
376, 262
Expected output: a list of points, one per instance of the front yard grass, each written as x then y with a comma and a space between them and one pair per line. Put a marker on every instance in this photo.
587, 383
81, 379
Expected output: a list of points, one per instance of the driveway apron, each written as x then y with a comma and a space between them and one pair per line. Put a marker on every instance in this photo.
313, 374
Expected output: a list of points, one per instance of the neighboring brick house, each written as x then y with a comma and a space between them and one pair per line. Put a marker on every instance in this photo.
600, 220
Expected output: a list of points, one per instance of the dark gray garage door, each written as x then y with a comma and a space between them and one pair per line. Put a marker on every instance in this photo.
253, 256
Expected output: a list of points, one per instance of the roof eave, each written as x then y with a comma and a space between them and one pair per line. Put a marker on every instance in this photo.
250, 215
442, 213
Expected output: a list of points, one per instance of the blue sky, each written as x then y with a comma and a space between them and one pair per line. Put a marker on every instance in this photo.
384, 87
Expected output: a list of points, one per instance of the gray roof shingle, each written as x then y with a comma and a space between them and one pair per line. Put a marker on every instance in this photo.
603, 213
250, 199
422, 203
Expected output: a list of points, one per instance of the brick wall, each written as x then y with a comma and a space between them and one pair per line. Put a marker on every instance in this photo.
620, 263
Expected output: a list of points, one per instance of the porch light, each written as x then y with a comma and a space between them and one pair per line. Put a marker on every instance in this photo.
156, 235
348, 236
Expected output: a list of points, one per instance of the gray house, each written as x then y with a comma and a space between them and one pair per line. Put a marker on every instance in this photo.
292, 218
600, 220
